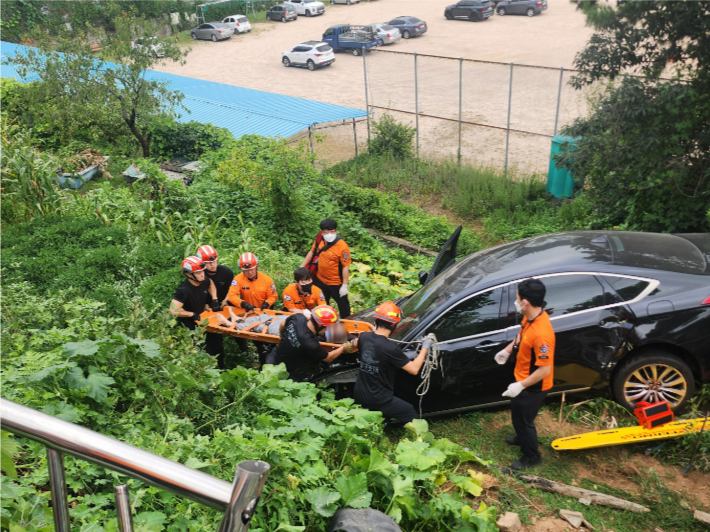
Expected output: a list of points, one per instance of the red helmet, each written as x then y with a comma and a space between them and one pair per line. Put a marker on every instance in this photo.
388, 311
324, 315
248, 261
206, 253
192, 265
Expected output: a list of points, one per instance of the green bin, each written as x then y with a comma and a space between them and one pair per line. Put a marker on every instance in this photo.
560, 183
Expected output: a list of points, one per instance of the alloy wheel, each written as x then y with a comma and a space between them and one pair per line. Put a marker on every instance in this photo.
656, 382
531, 12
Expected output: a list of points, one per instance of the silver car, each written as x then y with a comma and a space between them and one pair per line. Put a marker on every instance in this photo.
215, 31
387, 33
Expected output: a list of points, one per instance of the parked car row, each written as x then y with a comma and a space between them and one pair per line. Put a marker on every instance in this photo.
477, 10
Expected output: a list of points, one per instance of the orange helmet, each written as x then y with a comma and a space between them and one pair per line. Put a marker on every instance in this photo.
324, 315
206, 253
192, 265
388, 311
248, 261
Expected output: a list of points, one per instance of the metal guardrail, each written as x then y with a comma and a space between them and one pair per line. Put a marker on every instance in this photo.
238, 500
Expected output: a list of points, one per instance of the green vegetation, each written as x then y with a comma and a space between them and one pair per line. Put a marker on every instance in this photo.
391, 138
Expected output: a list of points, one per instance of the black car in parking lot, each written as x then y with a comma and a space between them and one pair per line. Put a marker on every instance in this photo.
521, 7
473, 10
631, 314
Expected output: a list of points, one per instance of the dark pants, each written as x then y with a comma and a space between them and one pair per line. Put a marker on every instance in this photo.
333, 291
395, 408
523, 410
262, 348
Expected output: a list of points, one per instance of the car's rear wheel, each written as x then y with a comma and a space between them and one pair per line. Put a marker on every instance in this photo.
406, 34
214, 38
308, 12
356, 51
348, 2
472, 17
449, 16
283, 19
311, 65
286, 61
530, 12
501, 11
194, 36
654, 376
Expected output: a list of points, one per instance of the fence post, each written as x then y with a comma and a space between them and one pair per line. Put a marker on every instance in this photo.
559, 96
355, 136
367, 102
310, 138
123, 508
416, 100
507, 132
58, 485
460, 102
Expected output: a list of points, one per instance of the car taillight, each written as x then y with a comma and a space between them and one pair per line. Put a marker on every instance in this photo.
388, 35
483, 9
416, 27
219, 31
706, 301
237, 24
318, 55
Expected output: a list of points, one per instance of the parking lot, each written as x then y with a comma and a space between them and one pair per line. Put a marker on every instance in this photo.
254, 61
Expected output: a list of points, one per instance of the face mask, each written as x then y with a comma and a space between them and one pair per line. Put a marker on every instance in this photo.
518, 308
306, 288
330, 237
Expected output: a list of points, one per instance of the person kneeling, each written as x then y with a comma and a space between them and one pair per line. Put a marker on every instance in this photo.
380, 358
299, 346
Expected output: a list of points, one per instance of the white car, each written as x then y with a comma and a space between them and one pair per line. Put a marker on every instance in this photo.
309, 8
348, 2
239, 23
151, 44
387, 33
311, 54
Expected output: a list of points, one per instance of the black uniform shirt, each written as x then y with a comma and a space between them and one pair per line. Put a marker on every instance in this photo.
222, 280
298, 345
193, 299
380, 359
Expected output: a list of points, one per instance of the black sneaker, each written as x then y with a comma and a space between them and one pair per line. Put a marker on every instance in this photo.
512, 440
525, 463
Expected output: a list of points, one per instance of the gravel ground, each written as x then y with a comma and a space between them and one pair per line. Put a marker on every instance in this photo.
551, 39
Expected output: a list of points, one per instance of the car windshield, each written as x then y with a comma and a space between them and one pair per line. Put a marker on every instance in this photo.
434, 296
310, 1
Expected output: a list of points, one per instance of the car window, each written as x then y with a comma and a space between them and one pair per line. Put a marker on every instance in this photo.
571, 293
479, 314
396, 22
330, 31
324, 48
242, 19
627, 288
386, 28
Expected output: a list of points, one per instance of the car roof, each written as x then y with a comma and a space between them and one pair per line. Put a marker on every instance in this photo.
603, 251
313, 43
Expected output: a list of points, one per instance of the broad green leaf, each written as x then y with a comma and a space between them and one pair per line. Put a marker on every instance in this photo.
323, 500
195, 463
290, 528
380, 464
395, 513
51, 370
85, 348
63, 411
149, 348
314, 472
96, 384
309, 449
419, 455
8, 450
467, 484
439, 478
149, 522
185, 381
402, 486
354, 491
417, 428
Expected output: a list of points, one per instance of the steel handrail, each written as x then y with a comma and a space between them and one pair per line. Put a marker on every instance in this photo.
80, 442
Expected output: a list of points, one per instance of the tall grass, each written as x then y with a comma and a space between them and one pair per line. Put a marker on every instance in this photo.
469, 191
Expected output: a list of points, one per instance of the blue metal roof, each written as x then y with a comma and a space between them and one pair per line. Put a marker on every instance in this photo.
240, 110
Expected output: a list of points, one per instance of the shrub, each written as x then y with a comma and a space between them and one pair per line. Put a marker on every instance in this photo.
391, 138
189, 139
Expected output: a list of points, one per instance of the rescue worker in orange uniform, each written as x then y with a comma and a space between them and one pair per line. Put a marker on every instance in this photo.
302, 296
329, 261
252, 290
535, 346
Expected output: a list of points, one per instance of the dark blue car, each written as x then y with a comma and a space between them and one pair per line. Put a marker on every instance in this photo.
409, 26
521, 7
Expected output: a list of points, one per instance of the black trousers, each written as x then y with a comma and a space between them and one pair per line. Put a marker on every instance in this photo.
333, 291
523, 410
395, 408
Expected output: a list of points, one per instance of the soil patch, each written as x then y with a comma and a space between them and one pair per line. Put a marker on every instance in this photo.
550, 524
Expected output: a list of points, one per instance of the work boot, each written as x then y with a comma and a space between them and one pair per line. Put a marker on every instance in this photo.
526, 462
512, 440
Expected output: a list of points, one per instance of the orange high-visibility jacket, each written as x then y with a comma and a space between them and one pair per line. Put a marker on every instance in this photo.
331, 262
294, 300
255, 292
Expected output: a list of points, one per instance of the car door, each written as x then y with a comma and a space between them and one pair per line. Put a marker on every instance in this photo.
469, 334
520, 6
201, 31
590, 326
445, 259
300, 54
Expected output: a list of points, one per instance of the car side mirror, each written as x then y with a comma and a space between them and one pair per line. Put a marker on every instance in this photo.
423, 275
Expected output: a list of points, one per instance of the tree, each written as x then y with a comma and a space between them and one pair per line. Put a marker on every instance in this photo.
77, 83
645, 149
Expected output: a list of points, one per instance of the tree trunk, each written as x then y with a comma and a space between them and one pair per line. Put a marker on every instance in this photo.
144, 142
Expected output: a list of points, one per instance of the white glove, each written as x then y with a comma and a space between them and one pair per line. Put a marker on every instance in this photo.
307, 313
513, 390
502, 357
343, 290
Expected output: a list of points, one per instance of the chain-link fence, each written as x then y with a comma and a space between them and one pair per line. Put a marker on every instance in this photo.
480, 112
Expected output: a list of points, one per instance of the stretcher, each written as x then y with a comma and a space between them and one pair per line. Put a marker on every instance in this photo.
621, 436
254, 327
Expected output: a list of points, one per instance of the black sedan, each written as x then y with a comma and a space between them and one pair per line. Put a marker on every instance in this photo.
521, 7
631, 313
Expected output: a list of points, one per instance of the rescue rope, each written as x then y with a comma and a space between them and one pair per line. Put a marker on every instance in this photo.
431, 363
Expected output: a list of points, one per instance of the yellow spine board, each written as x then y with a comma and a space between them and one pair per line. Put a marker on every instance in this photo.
622, 436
